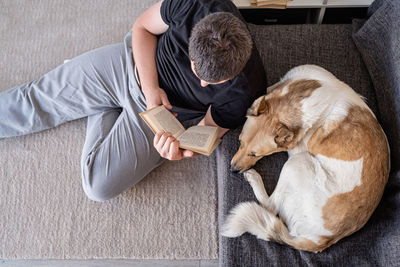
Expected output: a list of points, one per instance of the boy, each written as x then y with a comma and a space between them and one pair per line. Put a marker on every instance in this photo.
215, 74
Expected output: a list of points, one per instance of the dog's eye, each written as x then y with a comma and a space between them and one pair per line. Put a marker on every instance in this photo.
252, 154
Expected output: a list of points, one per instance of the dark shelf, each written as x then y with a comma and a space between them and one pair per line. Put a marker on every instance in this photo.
302, 15
343, 15
279, 16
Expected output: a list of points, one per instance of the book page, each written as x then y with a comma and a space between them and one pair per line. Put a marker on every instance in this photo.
198, 138
160, 119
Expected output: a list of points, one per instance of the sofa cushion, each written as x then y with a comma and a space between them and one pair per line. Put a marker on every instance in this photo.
282, 48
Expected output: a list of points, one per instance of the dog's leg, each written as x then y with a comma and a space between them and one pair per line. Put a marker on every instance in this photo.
255, 180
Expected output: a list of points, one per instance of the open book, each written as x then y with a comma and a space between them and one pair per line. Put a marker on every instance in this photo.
200, 139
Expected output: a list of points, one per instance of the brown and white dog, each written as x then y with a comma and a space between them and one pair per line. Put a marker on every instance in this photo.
337, 169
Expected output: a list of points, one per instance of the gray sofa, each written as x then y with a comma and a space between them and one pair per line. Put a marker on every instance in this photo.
365, 55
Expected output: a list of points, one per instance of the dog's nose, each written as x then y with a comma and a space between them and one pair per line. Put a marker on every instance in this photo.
234, 169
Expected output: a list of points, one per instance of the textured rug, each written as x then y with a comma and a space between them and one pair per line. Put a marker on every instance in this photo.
171, 214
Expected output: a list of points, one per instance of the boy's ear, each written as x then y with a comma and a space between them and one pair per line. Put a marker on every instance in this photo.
259, 106
283, 135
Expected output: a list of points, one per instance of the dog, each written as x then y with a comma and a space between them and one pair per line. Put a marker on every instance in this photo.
338, 165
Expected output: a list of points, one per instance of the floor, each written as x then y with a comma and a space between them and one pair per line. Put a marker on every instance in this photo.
109, 263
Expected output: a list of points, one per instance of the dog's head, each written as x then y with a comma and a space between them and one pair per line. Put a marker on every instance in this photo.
263, 134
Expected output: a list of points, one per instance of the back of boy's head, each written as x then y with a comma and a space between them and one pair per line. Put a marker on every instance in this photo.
219, 46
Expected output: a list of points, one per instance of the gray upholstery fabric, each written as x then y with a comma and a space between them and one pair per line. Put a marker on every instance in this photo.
375, 6
378, 242
378, 41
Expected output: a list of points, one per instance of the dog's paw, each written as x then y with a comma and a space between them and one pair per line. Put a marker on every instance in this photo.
251, 175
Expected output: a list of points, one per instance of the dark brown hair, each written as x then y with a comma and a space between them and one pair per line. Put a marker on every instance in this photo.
220, 46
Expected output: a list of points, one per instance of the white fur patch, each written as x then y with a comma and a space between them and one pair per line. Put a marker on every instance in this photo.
305, 185
329, 102
342, 176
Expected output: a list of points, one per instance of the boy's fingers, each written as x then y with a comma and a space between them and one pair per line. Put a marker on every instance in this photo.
168, 147
160, 139
167, 144
164, 139
174, 150
157, 138
187, 153
165, 101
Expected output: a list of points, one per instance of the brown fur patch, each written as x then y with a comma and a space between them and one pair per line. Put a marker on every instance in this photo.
303, 88
287, 108
276, 89
300, 88
359, 135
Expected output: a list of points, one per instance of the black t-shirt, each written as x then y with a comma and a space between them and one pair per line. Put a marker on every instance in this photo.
229, 101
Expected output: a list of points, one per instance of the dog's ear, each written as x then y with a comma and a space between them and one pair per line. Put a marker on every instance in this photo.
259, 106
283, 135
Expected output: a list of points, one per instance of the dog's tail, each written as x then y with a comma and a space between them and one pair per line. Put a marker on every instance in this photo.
252, 218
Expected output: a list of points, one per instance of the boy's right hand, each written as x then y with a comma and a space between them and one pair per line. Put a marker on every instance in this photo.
168, 147
156, 97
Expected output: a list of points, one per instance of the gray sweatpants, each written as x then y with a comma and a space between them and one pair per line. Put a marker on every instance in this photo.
100, 84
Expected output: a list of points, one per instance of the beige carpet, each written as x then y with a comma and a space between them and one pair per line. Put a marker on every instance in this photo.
44, 212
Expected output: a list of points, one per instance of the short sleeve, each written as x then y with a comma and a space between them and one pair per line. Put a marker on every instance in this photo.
230, 114
174, 10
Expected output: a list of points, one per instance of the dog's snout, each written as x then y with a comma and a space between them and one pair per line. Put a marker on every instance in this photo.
234, 169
